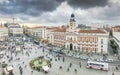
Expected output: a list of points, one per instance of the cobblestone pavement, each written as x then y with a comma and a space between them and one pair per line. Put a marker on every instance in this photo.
55, 70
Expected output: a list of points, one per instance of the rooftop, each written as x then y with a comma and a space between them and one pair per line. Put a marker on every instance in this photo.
14, 26
117, 26
38, 27
60, 30
92, 31
1, 26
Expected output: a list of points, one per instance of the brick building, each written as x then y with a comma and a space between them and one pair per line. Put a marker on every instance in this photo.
74, 38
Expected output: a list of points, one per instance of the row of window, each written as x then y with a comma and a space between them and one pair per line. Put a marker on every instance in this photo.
89, 45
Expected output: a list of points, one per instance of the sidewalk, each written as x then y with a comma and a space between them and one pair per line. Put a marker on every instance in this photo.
1, 70
88, 56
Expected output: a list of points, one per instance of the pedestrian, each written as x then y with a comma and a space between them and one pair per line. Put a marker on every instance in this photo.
23, 62
68, 69
55, 59
60, 67
116, 68
50, 65
58, 58
25, 66
31, 72
80, 66
75, 70
63, 59
113, 73
70, 64
21, 71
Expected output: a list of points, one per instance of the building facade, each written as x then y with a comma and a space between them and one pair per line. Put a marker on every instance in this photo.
85, 40
116, 34
116, 37
3, 33
38, 33
15, 29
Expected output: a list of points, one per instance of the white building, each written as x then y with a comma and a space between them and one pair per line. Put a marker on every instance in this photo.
3, 33
38, 32
116, 37
116, 34
15, 29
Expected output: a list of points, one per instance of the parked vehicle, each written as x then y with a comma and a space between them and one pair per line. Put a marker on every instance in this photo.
97, 65
109, 60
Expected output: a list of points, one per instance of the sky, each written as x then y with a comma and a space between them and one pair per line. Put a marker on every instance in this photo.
57, 12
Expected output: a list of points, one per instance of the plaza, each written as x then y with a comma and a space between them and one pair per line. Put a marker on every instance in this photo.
60, 65
59, 37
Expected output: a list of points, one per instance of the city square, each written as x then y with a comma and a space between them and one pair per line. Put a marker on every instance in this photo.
31, 51
59, 37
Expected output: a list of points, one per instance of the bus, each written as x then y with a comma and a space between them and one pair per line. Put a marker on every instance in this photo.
97, 65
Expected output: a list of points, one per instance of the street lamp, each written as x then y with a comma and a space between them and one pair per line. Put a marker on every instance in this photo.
43, 46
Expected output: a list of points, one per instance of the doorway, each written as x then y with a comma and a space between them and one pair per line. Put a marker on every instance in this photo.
71, 46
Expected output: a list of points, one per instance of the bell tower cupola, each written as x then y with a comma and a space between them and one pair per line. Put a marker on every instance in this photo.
72, 23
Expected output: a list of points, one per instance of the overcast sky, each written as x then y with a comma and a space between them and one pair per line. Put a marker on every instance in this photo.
57, 12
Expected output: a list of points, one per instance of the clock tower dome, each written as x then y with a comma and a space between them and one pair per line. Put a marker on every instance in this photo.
72, 23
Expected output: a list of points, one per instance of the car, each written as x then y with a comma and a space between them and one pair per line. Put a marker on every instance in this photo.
101, 60
84, 58
77, 56
4, 65
109, 60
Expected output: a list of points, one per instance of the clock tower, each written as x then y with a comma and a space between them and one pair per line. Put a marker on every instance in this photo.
72, 34
72, 23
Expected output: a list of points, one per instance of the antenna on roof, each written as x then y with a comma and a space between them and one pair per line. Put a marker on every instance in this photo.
14, 19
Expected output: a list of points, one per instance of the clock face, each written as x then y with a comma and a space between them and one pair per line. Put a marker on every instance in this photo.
71, 24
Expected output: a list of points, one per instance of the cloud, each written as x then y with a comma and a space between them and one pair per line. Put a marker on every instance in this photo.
87, 3
108, 14
37, 7
57, 12
28, 7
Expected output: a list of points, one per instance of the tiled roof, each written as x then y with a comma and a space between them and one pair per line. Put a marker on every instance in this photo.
117, 26
14, 26
39, 27
92, 31
52, 28
57, 29
60, 30
1, 26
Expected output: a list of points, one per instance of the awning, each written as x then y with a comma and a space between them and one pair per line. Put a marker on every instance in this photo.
18, 48
9, 68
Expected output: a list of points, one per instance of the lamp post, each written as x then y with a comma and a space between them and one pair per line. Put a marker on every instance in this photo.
11, 48
43, 47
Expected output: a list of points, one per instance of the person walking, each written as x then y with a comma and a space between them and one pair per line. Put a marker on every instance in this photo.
23, 62
116, 68
70, 64
80, 64
68, 69
113, 73
60, 67
75, 70
25, 66
63, 59
31, 72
